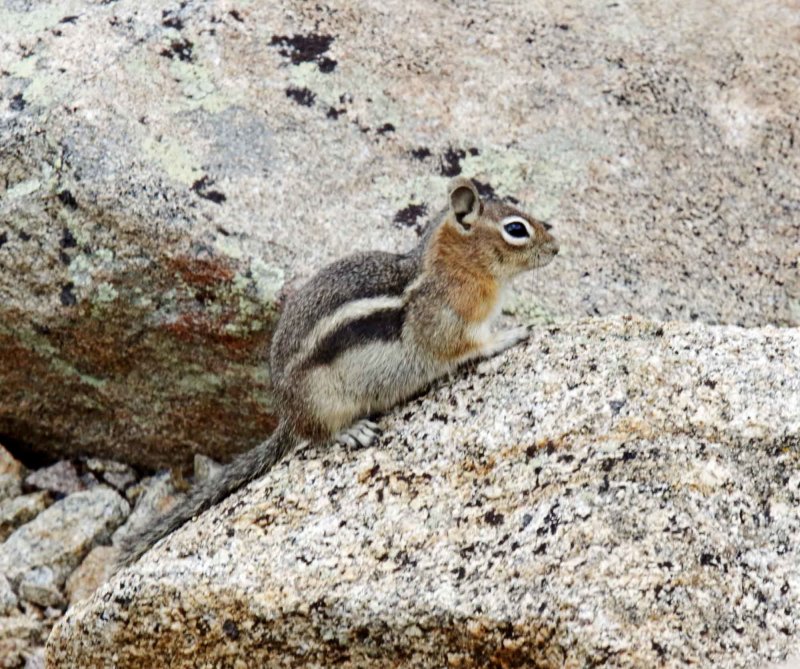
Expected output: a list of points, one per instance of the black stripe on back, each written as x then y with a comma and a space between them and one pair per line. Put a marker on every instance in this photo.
383, 325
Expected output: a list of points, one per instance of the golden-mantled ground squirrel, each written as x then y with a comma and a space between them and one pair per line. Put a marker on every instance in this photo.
372, 329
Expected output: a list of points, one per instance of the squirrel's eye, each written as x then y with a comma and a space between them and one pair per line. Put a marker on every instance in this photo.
516, 229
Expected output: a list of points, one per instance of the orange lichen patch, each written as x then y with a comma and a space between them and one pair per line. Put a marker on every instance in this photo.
472, 290
199, 327
42, 405
203, 272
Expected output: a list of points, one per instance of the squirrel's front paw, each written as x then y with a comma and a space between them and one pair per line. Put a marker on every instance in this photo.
506, 339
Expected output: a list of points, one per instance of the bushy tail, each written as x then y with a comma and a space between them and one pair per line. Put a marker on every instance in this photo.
243, 469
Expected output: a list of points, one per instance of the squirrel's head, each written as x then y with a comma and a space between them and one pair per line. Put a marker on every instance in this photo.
500, 237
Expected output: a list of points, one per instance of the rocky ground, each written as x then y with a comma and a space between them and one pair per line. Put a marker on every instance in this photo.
59, 528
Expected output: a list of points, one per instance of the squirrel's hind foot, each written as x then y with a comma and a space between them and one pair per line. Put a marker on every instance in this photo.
363, 433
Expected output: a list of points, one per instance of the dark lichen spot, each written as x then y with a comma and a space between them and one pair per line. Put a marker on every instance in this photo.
494, 518
421, 153
707, 559
69, 19
473, 151
3, 239
326, 65
236, 15
67, 239
334, 113
450, 162
123, 601
306, 49
24, 236
201, 187
180, 49
169, 20
230, 629
17, 102
67, 199
484, 190
386, 127
68, 298
410, 214
301, 96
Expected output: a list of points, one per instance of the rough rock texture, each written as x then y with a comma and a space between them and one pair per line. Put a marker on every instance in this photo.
8, 600
616, 493
166, 169
19, 636
157, 496
10, 476
60, 478
19, 510
46, 550
9, 465
95, 569
50, 546
117, 474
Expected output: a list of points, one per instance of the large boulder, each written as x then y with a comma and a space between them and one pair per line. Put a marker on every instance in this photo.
616, 493
168, 169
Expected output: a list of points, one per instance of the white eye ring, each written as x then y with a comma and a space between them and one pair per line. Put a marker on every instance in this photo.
515, 241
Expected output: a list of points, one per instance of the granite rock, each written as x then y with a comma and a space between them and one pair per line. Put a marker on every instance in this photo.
35, 659
61, 478
10, 476
43, 552
9, 464
170, 170
790, 663
39, 585
8, 600
157, 496
19, 510
204, 468
95, 569
20, 637
10, 486
117, 474
615, 492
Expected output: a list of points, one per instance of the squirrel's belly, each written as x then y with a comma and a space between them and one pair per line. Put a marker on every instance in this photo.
367, 380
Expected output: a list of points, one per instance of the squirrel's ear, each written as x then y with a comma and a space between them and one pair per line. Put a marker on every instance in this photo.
465, 203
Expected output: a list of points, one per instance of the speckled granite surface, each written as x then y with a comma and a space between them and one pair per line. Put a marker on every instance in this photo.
167, 169
616, 493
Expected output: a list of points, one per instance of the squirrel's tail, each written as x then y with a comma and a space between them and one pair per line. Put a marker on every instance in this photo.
242, 469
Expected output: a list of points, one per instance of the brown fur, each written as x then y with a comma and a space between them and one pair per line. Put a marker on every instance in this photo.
461, 263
